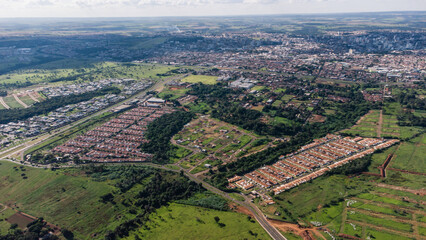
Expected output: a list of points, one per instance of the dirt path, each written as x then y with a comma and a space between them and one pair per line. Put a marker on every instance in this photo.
344, 217
379, 125
4, 208
20, 101
31, 95
362, 118
2, 102
305, 233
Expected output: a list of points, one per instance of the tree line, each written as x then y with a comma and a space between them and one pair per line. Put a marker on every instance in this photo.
160, 131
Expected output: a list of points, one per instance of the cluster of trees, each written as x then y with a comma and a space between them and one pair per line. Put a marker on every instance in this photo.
16, 114
213, 201
37, 229
162, 188
358, 166
408, 98
161, 130
212, 93
126, 176
407, 118
346, 116
3, 93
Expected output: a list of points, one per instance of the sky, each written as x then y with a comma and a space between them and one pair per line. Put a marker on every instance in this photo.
151, 8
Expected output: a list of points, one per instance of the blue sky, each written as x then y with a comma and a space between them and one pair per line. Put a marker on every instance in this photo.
147, 8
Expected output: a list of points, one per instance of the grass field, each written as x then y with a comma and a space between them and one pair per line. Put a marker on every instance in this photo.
4, 214
200, 78
93, 71
411, 155
27, 100
373, 234
215, 141
169, 94
179, 221
303, 201
64, 198
11, 102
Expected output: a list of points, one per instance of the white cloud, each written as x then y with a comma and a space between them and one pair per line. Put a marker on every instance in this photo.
134, 3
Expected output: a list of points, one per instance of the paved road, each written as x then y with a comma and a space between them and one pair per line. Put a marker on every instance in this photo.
260, 217
44, 137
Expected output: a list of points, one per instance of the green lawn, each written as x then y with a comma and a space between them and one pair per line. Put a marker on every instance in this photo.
178, 221
200, 78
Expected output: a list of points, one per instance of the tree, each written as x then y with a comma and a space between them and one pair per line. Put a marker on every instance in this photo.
67, 234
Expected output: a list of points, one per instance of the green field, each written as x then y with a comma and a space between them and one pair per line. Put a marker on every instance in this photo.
169, 94
178, 221
379, 221
65, 71
11, 102
64, 198
4, 214
200, 78
373, 234
411, 155
27, 100
304, 200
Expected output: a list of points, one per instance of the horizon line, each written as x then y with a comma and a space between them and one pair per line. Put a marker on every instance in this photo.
236, 15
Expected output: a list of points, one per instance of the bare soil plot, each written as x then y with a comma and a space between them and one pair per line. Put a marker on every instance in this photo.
20, 219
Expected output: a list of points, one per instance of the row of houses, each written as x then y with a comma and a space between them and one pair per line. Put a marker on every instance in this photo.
311, 161
116, 140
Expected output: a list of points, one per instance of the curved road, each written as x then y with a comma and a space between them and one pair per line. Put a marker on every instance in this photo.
260, 217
